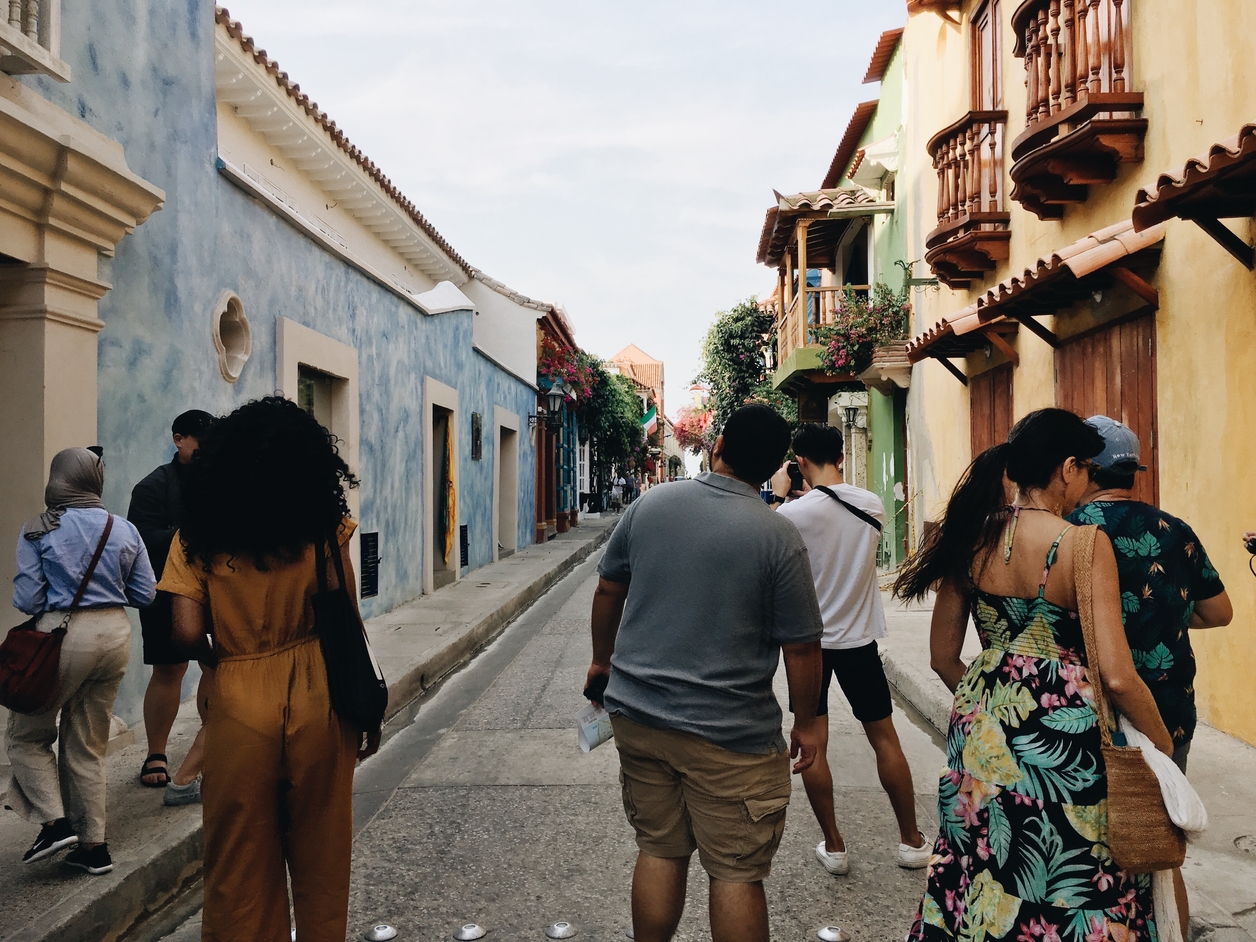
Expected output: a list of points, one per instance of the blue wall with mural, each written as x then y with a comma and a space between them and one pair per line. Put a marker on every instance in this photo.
143, 73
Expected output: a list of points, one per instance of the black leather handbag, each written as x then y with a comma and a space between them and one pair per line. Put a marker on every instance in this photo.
356, 685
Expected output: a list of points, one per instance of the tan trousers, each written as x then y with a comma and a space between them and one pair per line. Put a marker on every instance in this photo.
278, 795
94, 657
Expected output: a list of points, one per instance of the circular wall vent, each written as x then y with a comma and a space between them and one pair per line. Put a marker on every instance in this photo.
233, 338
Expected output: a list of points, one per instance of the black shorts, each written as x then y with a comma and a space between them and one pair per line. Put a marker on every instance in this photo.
157, 629
862, 679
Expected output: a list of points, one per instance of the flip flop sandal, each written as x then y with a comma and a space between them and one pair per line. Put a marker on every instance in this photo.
150, 768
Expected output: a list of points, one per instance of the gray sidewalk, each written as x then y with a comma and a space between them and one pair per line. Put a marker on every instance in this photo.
1220, 868
157, 850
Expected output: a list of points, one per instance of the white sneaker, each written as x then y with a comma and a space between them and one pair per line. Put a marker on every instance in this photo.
915, 858
836, 862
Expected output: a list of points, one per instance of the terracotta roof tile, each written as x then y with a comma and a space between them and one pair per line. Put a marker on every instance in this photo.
882, 55
849, 143
1163, 201
1067, 265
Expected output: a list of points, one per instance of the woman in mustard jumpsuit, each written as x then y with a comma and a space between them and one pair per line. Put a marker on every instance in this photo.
278, 775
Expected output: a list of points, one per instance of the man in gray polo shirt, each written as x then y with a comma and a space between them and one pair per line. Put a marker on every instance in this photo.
702, 589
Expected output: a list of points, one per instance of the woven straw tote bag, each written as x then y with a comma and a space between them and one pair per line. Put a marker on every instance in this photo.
1141, 835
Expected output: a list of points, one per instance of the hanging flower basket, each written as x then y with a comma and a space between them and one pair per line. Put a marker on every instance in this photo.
861, 325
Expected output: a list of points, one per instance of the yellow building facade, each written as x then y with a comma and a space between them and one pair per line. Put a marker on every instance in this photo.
1029, 127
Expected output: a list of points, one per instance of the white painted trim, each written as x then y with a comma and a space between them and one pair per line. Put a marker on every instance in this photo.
242, 83
504, 419
436, 393
297, 345
290, 215
443, 299
530, 383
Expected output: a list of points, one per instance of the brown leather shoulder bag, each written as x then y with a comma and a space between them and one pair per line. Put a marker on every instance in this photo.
30, 659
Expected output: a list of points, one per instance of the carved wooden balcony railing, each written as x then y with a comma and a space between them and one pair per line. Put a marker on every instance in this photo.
30, 38
801, 320
972, 232
1081, 119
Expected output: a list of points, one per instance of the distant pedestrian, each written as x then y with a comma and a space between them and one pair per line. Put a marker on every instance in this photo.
841, 525
617, 494
1168, 584
1022, 847
157, 510
66, 794
702, 589
278, 775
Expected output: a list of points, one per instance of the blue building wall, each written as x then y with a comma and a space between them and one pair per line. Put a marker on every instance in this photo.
143, 74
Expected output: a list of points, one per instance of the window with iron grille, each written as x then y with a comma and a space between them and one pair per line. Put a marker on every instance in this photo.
477, 438
464, 546
369, 544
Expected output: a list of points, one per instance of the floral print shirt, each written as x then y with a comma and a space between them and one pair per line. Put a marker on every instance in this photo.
1164, 571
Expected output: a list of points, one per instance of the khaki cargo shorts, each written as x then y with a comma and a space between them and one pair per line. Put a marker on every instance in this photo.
682, 792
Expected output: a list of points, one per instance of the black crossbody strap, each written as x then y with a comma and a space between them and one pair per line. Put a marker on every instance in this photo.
861, 514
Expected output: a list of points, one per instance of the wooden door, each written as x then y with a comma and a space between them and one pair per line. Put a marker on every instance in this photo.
1113, 372
990, 407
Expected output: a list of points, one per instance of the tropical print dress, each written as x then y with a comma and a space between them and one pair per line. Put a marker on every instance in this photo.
1022, 851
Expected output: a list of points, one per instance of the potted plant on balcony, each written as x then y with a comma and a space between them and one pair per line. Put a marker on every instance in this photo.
861, 325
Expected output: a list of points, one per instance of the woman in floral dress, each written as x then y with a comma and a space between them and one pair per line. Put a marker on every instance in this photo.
1022, 850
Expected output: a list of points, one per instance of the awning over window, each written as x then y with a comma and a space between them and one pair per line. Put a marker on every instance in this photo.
1218, 184
961, 334
830, 212
1056, 281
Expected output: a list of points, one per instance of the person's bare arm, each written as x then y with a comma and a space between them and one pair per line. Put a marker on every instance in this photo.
191, 628
1124, 688
1215, 612
608, 609
946, 634
803, 667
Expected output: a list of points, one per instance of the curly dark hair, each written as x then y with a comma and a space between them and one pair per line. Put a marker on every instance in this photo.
266, 482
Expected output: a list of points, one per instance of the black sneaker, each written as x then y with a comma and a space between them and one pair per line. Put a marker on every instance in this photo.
52, 837
95, 860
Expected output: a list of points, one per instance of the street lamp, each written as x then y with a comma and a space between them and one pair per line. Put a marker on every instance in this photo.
852, 413
554, 399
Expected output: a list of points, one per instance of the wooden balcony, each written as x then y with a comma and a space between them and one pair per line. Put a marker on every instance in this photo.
1081, 119
972, 233
798, 347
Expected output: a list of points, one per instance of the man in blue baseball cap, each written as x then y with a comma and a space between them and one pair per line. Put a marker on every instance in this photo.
1168, 585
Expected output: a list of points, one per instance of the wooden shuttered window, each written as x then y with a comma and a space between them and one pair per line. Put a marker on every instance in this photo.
987, 63
990, 407
1113, 372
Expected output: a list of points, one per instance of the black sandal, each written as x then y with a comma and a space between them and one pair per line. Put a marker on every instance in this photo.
164, 772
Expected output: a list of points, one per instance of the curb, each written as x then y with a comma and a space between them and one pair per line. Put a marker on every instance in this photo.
134, 894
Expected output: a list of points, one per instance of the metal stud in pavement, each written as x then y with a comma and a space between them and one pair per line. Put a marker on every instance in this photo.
380, 933
833, 934
560, 930
470, 932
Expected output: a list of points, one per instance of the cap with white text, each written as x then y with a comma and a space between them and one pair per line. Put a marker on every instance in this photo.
1121, 450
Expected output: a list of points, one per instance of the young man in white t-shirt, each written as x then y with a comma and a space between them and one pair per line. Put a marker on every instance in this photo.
841, 525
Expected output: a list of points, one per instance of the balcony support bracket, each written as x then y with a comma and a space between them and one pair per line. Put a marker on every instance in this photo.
1226, 238
953, 369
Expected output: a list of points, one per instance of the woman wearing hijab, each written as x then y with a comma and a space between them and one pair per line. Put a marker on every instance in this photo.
54, 552
267, 485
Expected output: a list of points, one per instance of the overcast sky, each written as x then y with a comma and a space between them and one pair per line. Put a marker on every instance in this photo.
616, 158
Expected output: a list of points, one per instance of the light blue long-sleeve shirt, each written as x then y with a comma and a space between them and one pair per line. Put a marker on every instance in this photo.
49, 570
